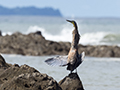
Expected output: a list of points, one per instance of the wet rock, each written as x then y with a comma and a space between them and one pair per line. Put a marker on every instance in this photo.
71, 82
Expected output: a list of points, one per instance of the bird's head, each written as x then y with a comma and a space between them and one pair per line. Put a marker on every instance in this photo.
73, 22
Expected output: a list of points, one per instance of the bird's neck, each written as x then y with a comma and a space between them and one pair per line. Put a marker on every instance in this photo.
75, 39
75, 26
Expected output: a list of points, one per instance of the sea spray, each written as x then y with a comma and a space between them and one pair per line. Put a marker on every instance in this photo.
6, 33
92, 38
64, 35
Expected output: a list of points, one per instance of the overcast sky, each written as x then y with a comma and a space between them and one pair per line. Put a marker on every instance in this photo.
74, 8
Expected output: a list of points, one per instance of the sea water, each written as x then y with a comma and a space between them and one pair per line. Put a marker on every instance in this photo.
93, 31
95, 73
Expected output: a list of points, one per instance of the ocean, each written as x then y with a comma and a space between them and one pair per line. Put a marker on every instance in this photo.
93, 31
95, 73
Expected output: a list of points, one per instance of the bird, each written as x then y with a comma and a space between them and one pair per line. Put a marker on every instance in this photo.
73, 59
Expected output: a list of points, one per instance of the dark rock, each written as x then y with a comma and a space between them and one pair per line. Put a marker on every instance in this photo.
31, 81
24, 77
38, 33
35, 44
101, 50
71, 82
15, 77
3, 64
0, 33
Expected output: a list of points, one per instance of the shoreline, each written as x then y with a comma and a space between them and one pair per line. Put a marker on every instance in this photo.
34, 44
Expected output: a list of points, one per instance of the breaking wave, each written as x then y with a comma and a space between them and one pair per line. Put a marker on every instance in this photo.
64, 35
93, 38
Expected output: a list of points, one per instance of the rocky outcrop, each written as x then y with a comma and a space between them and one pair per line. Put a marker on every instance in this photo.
15, 77
35, 44
30, 81
71, 82
100, 50
31, 44
24, 77
3, 64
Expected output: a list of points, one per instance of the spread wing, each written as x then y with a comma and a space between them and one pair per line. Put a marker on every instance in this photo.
57, 61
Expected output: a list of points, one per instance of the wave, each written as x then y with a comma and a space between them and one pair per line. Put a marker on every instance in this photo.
113, 37
6, 33
64, 35
101, 38
92, 38
107, 38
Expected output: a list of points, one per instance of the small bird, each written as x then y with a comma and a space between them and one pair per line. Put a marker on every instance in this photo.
73, 59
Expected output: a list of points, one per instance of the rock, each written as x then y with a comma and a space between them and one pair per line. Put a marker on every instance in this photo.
24, 77
0, 33
31, 81
3, 64
38, 33
35, 44
17, 34
31, 44
101, 50
71, 82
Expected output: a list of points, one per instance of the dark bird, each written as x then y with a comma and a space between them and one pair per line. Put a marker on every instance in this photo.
73, 59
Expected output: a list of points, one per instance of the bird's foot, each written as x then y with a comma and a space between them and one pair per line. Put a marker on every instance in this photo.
75, 70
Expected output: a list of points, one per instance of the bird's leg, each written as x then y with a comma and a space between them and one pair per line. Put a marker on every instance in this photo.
76, 70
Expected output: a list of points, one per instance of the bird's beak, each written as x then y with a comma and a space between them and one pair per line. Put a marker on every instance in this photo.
69, 21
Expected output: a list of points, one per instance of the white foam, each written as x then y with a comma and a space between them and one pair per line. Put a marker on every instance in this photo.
6, 33
64, 35
34, 29
92, 38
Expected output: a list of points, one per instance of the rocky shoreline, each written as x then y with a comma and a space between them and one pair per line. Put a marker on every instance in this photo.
24, 77
35, 44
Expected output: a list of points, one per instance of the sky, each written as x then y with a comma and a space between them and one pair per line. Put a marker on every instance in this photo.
72, 8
